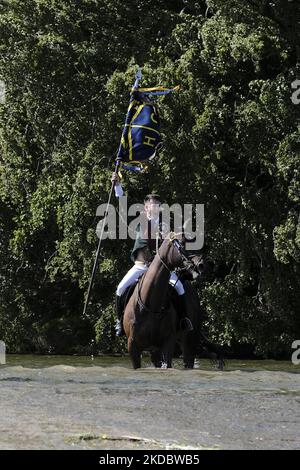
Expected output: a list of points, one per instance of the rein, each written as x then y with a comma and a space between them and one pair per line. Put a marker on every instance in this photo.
141, 303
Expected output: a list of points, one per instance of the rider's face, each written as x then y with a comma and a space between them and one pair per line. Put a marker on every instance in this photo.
152, 208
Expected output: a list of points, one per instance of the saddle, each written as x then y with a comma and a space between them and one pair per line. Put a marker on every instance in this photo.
171, 297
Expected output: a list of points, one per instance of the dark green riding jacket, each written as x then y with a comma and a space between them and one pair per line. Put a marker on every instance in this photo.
144, 248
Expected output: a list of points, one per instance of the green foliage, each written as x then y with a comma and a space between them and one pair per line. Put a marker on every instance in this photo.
106, 340
231, 141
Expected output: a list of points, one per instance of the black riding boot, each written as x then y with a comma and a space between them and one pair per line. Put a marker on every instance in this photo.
184, 322
119, 311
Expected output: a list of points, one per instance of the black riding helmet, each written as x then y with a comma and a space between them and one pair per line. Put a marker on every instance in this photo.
152, 196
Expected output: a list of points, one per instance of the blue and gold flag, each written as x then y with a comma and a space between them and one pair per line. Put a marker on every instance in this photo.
141, 137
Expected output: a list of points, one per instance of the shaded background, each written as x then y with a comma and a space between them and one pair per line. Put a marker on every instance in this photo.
231, 141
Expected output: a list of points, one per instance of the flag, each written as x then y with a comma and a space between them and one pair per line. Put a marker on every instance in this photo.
141, 137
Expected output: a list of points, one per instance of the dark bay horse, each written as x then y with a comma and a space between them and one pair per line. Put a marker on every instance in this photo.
150, 317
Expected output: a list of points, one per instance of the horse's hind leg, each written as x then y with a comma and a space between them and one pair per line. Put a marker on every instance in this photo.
189, 353
156, 358
168, 352
135, 354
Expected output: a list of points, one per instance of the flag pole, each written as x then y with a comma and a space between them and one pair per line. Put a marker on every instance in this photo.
117, 164
88, 296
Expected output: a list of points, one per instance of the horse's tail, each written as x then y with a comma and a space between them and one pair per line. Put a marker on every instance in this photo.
214, 350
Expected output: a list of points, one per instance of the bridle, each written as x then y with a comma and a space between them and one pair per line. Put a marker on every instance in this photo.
173, 239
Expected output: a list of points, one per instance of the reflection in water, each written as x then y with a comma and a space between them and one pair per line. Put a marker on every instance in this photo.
76, 402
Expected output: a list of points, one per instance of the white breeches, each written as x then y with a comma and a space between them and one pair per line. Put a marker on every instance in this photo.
135, 273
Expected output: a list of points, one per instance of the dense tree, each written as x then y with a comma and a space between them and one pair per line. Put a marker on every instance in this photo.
231, 141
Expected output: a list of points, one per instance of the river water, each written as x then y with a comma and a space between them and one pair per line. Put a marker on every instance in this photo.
67, 402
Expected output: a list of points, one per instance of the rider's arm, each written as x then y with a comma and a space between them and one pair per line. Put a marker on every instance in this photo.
118, 188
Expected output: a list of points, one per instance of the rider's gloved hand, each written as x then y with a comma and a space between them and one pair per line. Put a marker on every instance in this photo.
115, 178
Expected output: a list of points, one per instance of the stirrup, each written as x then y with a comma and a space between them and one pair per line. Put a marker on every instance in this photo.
186, 324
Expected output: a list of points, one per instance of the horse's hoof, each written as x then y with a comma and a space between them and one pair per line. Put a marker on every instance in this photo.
189, 365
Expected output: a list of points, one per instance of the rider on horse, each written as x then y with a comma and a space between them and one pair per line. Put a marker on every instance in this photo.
142, 255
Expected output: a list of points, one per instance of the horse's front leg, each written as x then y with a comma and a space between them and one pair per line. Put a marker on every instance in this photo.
134, 352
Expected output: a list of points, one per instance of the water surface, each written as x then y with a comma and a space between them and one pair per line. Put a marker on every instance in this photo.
67, 402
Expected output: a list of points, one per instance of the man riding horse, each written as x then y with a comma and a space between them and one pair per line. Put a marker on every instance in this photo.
142, 254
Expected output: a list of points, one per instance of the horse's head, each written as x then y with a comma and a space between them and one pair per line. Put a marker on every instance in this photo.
174, 254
